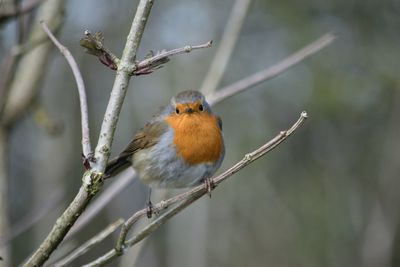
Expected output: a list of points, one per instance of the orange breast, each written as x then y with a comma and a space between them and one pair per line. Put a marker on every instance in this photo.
197, 138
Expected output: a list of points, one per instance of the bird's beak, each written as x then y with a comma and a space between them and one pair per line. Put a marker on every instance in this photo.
189, 110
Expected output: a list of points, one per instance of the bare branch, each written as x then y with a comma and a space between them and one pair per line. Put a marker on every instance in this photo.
101, 201
187, 198
148, 65
120, 86
94, 46
272, 71
85, 247
93, 179
86, 147
226, 46
60, 228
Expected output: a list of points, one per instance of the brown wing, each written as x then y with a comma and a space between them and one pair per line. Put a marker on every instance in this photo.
147, 137
219, 122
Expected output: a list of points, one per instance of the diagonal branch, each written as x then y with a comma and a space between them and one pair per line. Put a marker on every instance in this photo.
148, 65
272, 71
187, 198
82, 249
86, 147
100, 202
226, 46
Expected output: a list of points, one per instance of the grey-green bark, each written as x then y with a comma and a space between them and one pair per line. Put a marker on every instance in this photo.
92, 180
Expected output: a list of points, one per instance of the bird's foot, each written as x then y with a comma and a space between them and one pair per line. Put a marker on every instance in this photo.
149, 209
209, 185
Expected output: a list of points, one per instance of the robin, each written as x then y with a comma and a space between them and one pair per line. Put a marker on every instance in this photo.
180, 147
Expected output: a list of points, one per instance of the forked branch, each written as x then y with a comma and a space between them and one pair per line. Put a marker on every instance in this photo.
94, 45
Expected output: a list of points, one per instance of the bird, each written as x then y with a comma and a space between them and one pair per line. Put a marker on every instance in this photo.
181, 146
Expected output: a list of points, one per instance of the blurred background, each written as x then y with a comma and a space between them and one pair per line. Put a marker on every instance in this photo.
326, 197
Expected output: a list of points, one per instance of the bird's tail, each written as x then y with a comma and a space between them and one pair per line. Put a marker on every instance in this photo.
116, 165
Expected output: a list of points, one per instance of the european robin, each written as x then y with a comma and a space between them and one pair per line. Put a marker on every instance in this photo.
182, 146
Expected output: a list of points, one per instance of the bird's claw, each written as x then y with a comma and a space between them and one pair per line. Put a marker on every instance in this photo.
209, 185
149, 209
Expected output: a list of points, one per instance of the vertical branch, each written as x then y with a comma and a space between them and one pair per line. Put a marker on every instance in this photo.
103, 148
226, 46
92, 180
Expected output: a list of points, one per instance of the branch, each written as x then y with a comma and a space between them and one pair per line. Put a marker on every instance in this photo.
148, 65
272, 71
94, 46
103, 148
86, 147
85, 247
92, 179
226, 46
60, 228
187, 198
101, 201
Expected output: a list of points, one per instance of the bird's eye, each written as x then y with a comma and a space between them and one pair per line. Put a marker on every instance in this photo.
177, 110
201, 108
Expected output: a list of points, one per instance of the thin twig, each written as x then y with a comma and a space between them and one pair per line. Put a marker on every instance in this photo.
94, 46
148, 65
86, 147
272, 71
187, 198
82, 249
226, 46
